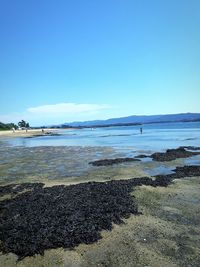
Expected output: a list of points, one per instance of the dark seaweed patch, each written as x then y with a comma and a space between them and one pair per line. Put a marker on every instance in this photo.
107, 162
179, 172
141, 156
186, 171
172, 154
66, 216
62, 216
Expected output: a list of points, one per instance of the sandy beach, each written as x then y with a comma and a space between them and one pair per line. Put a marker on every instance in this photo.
29, 133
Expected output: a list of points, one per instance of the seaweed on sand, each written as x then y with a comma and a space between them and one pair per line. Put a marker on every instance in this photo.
66, 216
172, 154
107, 162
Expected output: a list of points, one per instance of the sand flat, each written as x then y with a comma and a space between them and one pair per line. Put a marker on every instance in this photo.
23, 133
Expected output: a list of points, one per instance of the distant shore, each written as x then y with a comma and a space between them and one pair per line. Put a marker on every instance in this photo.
29, 133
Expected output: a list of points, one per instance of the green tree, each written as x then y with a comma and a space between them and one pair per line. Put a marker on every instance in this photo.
7, 126
23, 124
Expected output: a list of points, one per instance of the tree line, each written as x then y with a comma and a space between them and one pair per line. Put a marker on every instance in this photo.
10, 126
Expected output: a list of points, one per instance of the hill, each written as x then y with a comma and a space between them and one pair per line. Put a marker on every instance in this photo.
131, 120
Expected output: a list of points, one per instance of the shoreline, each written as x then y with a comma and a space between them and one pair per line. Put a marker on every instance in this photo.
30, 133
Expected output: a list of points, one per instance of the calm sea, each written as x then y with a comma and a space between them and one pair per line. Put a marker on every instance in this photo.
155, 137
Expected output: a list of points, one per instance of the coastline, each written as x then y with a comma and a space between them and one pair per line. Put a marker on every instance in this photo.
29, 133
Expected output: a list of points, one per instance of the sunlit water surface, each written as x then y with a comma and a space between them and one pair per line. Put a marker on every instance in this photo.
155, 137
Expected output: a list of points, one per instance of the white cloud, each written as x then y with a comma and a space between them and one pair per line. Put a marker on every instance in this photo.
66, 108
56, 114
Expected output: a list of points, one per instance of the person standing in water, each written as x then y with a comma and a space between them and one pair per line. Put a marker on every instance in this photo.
141, 130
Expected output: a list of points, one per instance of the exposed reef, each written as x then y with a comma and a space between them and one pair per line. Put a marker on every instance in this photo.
186, 171
169, 155
179, 172
141, 156
108, 162
172, 154
65, 216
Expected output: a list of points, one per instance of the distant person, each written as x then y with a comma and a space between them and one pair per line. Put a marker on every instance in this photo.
13, 129
141, 130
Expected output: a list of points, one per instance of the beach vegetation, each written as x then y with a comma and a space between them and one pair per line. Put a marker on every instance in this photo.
7, 126
23, 124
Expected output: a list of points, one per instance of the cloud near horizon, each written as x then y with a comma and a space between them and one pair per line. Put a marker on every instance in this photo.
56, 113
67, 108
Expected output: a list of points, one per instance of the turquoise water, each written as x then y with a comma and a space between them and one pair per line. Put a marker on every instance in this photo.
155, 137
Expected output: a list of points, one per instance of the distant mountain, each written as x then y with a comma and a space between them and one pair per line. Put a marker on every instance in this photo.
131, 120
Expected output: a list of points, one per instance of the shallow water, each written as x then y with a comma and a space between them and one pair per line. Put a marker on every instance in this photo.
195, 160
155, 137
48, 162
67, 155
161, 170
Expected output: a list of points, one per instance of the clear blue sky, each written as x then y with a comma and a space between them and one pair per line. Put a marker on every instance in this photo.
66, 60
